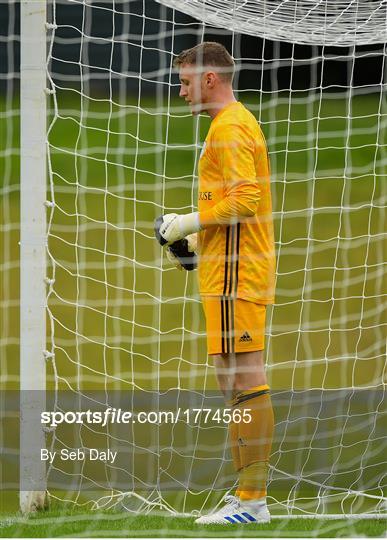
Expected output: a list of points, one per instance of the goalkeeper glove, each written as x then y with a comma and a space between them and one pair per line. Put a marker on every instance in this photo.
182, 254
172, 227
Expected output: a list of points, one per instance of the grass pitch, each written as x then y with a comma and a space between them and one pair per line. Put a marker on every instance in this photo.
74, 523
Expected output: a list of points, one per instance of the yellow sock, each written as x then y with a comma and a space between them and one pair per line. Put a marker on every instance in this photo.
233, 432
255, 440
252, 481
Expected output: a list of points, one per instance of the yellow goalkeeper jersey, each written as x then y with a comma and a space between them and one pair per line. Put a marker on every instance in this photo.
236, 245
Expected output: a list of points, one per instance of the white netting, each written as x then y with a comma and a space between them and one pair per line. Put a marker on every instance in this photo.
319, 22
123, 149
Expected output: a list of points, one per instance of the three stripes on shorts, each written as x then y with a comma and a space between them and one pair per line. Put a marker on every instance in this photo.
230, 287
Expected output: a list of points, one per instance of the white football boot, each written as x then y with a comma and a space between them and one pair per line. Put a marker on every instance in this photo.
236, 511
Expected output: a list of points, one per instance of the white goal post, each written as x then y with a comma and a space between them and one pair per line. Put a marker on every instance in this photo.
118, 149
33, 245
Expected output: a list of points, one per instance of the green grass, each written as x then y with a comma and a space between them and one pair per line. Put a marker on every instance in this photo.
109, 167
80, 523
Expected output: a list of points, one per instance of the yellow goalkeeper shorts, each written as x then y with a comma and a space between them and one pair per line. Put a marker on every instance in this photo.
233, 325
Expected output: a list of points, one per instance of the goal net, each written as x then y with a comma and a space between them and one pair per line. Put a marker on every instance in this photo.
125, 330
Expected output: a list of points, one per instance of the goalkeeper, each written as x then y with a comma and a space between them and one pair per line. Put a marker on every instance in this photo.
233, 229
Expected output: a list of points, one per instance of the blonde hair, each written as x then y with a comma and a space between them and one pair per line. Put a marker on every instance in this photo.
208, 53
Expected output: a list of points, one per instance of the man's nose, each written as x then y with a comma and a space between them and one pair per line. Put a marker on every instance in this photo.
183, 92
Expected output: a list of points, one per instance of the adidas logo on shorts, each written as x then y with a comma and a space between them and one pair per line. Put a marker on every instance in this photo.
246, 337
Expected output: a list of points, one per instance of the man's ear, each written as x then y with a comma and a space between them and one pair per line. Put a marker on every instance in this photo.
210, 79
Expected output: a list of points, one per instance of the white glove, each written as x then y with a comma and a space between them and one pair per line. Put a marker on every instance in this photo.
192, 246
175, 227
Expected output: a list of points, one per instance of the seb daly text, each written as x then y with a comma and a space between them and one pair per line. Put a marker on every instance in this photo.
92, 454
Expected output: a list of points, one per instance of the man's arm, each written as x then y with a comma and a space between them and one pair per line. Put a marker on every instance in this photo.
234, 151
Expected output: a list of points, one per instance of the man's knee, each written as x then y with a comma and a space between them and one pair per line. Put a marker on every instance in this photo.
250, 370
240, 371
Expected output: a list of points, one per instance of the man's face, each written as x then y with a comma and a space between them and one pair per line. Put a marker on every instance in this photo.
192, 88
